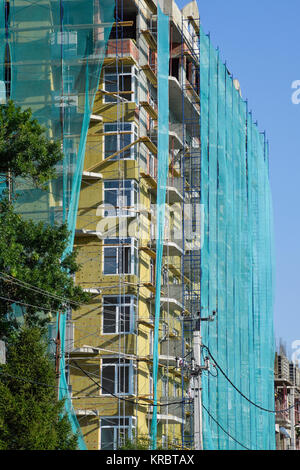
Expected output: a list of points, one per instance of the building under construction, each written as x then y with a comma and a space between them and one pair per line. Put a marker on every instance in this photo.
165, 189
287, 398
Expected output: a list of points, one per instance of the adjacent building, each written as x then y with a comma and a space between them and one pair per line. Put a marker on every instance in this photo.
287, 398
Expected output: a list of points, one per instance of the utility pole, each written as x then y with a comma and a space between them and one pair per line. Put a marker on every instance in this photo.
197, 386
57, 355
197, 370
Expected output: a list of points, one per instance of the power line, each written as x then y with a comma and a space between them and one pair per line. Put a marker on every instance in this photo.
34, 382
26, 285
121, 398
241, 393
224, 430
14, 301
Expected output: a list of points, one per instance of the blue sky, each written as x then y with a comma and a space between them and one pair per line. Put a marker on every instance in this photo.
259, 39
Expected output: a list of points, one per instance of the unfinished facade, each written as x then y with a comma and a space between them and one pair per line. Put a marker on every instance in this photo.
115, 234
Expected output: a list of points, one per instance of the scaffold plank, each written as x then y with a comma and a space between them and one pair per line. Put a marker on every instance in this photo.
150, 39
150, 74
149, 109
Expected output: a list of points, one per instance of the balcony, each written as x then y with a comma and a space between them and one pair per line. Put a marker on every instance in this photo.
85, 350
172, 348
170, 411
173, 248
176, 132
126, 51
167, 360
88, 233
174, 190
174, 187
90, 176
170, 247
190, 108
172, 295
188, 51
87, 413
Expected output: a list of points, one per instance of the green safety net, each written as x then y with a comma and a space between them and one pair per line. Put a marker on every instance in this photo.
2, 50
236, 264
163, 52
56, 53
2, 72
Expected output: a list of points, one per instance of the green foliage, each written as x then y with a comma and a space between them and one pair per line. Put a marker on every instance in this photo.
31, 418
138, 443
30, 415
24, 149
32, 252
142, 443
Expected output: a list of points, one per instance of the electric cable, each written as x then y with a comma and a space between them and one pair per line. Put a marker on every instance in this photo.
241, 393
121, 398
14, 301
14, 280
224, 430
33, 382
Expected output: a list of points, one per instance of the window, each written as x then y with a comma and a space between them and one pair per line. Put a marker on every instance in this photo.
117, 136
120, 196
117, 376
119, 314
68, 40
115, 431
124, 80
120, 256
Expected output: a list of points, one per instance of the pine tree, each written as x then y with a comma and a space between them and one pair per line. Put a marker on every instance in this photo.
30, 415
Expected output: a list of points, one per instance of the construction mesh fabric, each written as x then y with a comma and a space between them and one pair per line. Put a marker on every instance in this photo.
163, 52
2, 72
2, 50
56, 53
236, 264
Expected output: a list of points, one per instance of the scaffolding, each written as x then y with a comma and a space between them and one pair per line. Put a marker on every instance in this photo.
51, 58
94, 81
235, 264
124, 134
